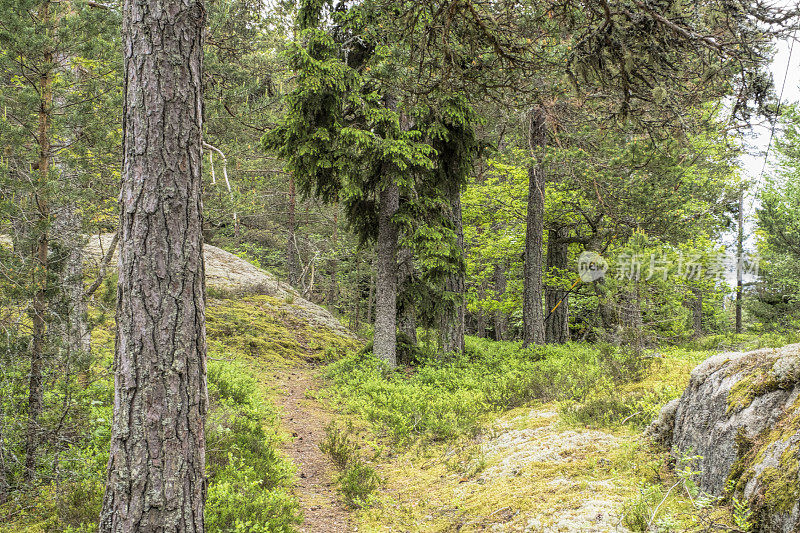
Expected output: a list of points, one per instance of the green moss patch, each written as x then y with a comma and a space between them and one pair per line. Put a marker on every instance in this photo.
778, 487
268, 329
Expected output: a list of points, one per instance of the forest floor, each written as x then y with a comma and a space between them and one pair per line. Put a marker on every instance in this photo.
304, 419
527, 472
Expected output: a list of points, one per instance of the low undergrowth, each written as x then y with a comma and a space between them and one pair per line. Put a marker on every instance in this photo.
443, 399
249, 481
249, 486
357, 481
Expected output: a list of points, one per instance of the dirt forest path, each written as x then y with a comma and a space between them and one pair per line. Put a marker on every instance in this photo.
305, 419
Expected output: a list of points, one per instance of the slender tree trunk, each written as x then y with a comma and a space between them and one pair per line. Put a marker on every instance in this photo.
4, 488
500, 321
371, 296
292, 261
557, 299
631, 316
740, 264
406, 308
697, 311
333, 290
355, 320
452, 329
385, 339
532, 314
40, 260
156, 471
72, 329
480, 316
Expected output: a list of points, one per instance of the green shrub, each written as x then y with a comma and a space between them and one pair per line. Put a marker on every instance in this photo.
448, 398
337, 445
637, 408
240, 502
357, 481
249, 480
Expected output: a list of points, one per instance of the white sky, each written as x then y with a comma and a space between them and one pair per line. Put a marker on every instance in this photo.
785, 66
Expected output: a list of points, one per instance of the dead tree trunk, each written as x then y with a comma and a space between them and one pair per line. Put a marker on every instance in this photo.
156, 471
556, 299
385, 338
532, 314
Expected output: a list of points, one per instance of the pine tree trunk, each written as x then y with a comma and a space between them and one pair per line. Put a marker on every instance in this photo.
532, 314
500, 321
292, 262
452, 328
156, 471
557, 299
40, 261
385, 339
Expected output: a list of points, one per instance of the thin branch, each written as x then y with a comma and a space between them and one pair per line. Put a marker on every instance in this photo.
103, 266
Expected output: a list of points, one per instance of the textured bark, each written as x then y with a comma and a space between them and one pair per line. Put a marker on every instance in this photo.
532, 314
557, 299
292, 261
500, 320
156, 471
406, 309
452, 325
385, 339
40, 261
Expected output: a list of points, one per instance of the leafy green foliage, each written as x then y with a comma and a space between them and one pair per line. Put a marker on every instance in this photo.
447, 399
776, 305
249, 481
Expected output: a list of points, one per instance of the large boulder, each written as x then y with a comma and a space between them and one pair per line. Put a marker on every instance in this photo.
228, 275
741, 414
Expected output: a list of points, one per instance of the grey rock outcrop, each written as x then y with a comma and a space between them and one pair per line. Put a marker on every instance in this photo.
741, 414
230, 276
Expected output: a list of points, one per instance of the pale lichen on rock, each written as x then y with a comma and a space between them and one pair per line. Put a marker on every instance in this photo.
741, 414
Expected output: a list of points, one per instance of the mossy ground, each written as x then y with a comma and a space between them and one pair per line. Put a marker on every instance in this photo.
535, 468
576, 464
268, 331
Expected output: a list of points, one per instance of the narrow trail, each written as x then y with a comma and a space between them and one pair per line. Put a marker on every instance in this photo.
305, 419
